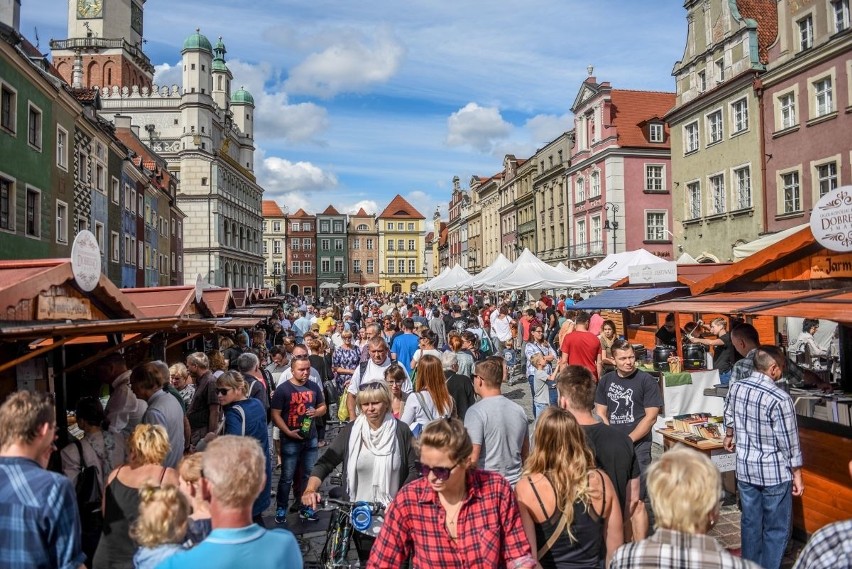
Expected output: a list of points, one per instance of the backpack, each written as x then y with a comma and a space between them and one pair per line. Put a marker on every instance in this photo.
485, 346
87, 488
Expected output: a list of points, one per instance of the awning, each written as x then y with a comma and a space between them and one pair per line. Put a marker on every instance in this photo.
726, 302
240, 322
835, 305
620, 298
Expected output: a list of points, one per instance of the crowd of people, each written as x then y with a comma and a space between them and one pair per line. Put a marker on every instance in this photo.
184, 452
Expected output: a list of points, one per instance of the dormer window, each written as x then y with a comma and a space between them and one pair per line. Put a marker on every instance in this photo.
656, 132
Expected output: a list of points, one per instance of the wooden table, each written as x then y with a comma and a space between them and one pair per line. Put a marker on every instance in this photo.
725, 461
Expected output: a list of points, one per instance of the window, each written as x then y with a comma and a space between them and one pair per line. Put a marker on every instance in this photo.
338, 227
100, 236
325, 266
338, 244
596, 229
717, 193
714, 127
739, 115
656, 132
306, 244
325, 244
390, 225
596, 185
720, 70
787, 106
841, 14
412, 266
8, 108
806, 33
411, 227
356, 265
324, 227
690, 136
7, 204
115, 191
823, 97
276, 247
140, 258
369, 243
295, 226
61, 222
307, 267
362, 227
265, 247
400, 244
356, 243
401, 266
654, 178
276, 226
792, 195
115, 245
133, 251
411, 245
174, 267
581, 190
827, 177
264, 226
338, 265
82, 224
62, 148
369, 266
294, 244
128, 247
33, 219
390, 266
34, 128
276, 268
390, 244
742, 181
702, 81
306, 226
581, 231
294, 267
693, 203
655, 226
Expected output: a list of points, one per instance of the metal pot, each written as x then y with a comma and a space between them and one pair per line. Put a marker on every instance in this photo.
694, 357
661, 357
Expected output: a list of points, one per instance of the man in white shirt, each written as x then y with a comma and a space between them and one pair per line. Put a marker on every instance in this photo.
371, 371
501, 329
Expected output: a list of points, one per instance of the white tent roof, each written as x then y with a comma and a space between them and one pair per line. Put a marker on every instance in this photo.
500, 264
748, 249
428, 284
453, 280
613, 268
686, 259
528, 272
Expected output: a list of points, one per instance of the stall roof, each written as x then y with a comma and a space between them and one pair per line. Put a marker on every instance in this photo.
218, 300
167, 301
32, 331
833, 305
727, 302
619, 298
688, 274
240, 296
239, 322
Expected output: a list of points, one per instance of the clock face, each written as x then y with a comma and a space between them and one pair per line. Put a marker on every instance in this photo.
90, 8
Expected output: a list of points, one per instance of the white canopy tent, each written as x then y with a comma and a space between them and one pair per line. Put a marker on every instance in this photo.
613, 268
528, 272
427, 286
752, 247
500, 264
329, 286
452, 279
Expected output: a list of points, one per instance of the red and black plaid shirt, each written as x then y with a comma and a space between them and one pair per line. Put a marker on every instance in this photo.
489, 530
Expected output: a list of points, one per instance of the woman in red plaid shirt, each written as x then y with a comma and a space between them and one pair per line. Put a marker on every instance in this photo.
456, 516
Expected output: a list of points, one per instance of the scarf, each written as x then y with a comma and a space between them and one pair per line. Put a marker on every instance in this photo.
382, 443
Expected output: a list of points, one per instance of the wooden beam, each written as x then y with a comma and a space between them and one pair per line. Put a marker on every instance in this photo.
182, 340
101, 354
33, 354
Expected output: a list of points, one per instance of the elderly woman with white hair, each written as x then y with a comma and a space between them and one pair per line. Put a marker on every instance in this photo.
684, 487
378, 458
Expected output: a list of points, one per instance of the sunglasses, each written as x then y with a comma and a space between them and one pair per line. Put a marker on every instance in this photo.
223, 390
442, 473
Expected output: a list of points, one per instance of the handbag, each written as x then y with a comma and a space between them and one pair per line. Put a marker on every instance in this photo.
87, 486
342, 409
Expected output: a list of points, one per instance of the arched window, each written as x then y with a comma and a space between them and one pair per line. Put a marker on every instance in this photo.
227, 281
234, 242
220, 83
243, 277
227, 234
242, 239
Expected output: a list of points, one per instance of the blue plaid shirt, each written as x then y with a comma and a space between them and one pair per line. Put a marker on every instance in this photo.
765, 431
39, 521
829, 548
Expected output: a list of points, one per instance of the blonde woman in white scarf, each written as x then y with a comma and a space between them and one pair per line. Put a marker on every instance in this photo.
378, 458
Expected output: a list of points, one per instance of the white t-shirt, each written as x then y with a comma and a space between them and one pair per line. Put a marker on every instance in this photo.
500, 328
373, 373
287, 375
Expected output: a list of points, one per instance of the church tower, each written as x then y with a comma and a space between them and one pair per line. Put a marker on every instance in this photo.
197, 94
222, 77
105, 41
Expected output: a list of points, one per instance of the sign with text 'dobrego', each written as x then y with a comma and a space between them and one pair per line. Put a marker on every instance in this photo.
831, 220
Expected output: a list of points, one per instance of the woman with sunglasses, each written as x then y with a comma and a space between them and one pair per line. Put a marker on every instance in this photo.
538, 345
246, 417
570, 512
456, 516
378, 458
395, 378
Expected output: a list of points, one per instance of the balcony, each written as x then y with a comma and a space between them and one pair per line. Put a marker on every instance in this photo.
527, 227
584, 250
93, 43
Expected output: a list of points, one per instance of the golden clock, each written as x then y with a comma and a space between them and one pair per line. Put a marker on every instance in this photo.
90, 8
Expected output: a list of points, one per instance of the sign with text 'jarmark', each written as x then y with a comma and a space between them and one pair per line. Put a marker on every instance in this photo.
831, 220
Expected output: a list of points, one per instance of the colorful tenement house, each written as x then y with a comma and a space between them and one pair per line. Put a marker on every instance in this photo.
363, 238
621, 156
331, 250
301, 253
544, 231
402, 248
274, 246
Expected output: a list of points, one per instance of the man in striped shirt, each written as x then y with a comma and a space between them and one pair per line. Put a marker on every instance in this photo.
760, 423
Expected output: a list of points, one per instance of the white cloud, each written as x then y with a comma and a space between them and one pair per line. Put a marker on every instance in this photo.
167, 75
352, 63
545, 128
280, 177
478, 127
370, 206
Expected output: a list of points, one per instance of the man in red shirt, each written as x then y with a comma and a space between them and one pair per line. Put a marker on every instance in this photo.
581, 347
546, 299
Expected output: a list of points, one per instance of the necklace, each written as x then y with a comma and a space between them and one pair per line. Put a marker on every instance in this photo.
451, 518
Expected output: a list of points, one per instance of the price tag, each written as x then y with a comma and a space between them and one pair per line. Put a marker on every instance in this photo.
725, 461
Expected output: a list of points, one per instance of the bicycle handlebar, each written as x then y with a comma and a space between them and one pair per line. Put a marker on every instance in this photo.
376, 507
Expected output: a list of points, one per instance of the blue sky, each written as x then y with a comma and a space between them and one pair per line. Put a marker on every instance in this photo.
359, 101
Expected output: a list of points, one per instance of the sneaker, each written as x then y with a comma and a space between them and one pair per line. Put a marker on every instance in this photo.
280, 515
308, 514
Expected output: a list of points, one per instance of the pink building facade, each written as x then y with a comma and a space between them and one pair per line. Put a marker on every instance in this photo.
619, 174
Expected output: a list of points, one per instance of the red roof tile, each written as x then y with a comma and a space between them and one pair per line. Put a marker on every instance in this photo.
398, 208
301, 213
630, 109
765, 13
362, 213
271, 209
157, 302
330, 211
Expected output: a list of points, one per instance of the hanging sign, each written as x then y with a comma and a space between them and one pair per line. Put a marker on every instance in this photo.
831, 220
831, 267
654, 273
86, 260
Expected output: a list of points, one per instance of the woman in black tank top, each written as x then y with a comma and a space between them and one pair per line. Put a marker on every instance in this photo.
570, 513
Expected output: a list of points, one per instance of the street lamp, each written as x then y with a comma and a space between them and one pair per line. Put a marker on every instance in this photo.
611, 225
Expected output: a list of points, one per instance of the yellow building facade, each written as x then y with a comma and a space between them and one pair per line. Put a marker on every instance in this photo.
402, 247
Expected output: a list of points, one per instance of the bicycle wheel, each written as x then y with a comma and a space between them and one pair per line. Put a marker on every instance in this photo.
336, 548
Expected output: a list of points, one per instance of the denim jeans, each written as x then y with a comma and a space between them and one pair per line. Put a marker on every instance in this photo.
767, 514
531, 380
301, 454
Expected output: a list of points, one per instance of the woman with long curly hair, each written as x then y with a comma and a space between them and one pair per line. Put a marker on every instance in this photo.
432, 400
569, 508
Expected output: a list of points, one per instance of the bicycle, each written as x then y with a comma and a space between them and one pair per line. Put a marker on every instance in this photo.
346, 518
